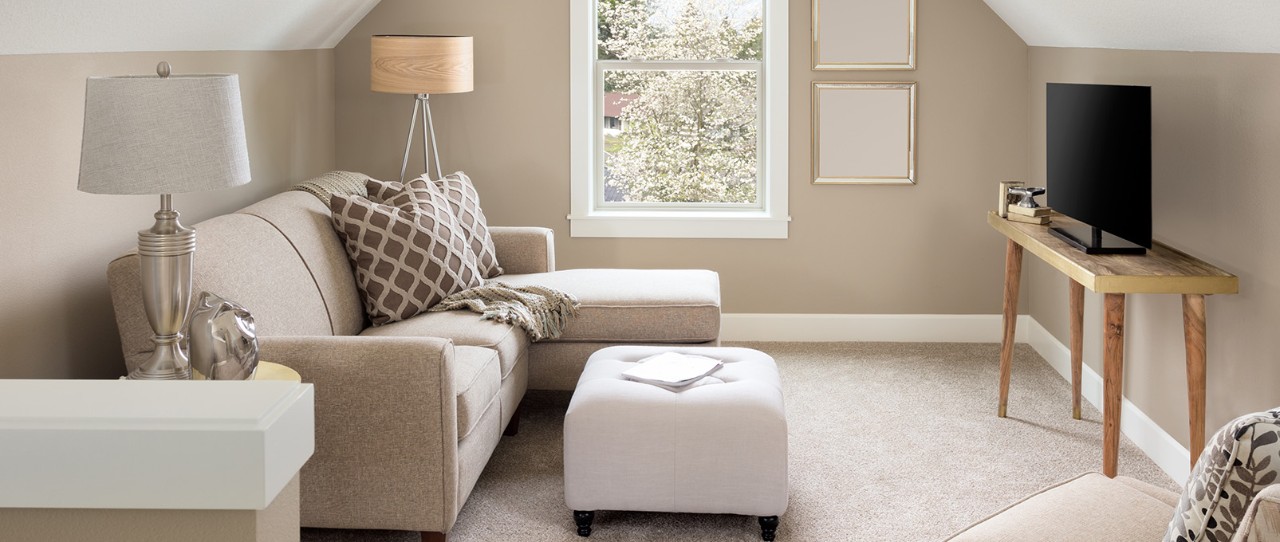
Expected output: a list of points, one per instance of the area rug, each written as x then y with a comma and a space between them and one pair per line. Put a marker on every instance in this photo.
888, 441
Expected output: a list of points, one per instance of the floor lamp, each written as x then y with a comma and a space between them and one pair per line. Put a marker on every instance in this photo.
422, 66
163, 135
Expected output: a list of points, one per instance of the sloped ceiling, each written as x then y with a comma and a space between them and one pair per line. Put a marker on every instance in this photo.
1243, 26
91, 26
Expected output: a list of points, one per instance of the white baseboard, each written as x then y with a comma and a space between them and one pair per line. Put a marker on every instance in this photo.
1162, 448
960, 328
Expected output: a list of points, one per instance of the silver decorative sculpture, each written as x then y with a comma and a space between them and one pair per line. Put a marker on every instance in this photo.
223, 340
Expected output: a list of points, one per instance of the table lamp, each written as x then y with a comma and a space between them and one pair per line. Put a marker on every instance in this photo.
422, 66
163, 135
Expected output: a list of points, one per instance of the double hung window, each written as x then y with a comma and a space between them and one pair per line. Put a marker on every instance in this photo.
679, 118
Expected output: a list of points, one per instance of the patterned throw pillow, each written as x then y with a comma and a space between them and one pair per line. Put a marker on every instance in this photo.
1241, 460
381, 191
408, 253
465, 202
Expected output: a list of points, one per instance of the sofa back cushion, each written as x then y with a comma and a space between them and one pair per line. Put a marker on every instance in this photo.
305, 221
242, 258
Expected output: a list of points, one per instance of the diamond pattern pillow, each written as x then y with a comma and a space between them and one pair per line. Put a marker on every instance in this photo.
465, 202
1240, 460
381, 191
408, 253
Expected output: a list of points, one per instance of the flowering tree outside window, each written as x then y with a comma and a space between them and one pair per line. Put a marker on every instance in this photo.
681, 88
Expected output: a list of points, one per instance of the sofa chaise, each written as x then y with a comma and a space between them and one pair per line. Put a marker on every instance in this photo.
408, 414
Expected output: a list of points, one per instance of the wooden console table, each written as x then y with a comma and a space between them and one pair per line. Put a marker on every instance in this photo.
1162, 270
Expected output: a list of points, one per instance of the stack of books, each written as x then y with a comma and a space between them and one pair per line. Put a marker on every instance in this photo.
672, 370
1029, 215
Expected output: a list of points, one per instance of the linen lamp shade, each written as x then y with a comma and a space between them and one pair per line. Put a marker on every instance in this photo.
404, 64
163, 135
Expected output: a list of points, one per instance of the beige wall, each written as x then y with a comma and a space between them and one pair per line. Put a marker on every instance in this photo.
852, 249
55, 309
1215, 135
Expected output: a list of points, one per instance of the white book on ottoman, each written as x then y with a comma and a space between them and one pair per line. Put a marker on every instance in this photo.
672, 370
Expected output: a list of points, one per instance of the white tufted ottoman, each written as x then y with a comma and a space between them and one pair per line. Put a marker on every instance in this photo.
713, 447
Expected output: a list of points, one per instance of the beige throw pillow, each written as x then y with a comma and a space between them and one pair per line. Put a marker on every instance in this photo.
408, 253
465, 203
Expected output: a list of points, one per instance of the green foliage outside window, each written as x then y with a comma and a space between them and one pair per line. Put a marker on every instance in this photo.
687, 135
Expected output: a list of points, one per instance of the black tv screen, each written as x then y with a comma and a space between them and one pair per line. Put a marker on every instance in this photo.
1099, 162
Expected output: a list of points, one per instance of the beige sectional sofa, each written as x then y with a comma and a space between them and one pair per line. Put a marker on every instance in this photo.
407, 414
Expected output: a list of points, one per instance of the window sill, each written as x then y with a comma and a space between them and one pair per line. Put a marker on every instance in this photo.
679, 225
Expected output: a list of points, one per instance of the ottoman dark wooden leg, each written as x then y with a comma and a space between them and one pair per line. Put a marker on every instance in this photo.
584, 519
768, 527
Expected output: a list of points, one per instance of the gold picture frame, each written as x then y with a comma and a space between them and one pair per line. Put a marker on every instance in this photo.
863, 35
868, 131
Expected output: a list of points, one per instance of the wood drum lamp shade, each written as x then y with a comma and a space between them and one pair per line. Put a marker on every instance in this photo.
405, 64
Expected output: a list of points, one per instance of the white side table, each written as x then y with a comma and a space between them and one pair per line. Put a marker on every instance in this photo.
110, 460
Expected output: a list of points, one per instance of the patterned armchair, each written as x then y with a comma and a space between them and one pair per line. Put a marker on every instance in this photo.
1233, 495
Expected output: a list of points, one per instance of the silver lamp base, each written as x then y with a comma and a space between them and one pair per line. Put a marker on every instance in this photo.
166, 253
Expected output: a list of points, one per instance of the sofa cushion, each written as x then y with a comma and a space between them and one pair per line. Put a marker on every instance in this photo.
406, 257
465, 203
1090, 507
476, 380
636, 305
1241, 459
464, 328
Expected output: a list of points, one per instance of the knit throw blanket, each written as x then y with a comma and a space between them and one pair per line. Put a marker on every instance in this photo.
334, 182
540, 311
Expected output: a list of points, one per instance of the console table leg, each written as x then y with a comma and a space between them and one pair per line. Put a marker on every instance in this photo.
1012, 278
1112, 382
1193, 326
1077, 343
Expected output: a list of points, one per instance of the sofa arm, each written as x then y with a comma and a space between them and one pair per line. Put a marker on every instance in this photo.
1261, 521
386, 430
524, 250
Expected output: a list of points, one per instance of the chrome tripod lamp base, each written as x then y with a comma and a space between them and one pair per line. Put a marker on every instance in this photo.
422, 103
166, 253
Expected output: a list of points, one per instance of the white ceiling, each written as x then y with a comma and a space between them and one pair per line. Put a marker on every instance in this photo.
1245, 26
78, 26
82, 26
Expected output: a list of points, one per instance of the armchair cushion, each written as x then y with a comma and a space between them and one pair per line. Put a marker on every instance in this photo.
1093, 506
1240, 460
1262, 522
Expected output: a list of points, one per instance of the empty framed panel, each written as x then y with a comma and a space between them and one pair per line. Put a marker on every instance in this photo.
864, 35
864, 133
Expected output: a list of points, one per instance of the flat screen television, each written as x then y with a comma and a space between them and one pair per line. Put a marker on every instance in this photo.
1099, 165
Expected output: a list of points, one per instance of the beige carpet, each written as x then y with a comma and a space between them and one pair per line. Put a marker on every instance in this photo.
888, 441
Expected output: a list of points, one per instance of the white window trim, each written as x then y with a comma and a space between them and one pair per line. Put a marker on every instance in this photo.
585, 220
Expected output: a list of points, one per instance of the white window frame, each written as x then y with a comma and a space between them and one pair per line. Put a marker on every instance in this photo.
768, 219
